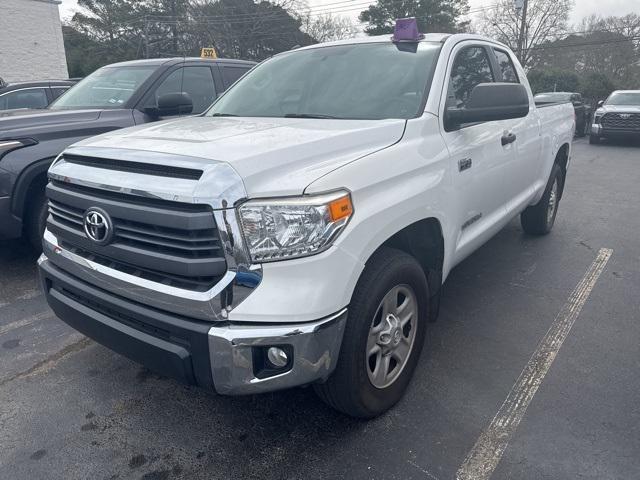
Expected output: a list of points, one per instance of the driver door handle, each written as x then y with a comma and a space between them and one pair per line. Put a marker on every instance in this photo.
508, 138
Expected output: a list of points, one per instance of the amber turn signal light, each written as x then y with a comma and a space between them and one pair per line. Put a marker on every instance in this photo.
340, 208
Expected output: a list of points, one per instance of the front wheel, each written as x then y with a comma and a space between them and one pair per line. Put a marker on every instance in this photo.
540, 218
383, 337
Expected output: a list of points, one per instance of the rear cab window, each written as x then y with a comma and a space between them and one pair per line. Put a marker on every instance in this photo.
506, 67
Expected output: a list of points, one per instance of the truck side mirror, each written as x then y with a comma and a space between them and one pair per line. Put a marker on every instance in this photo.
600, 103
170, 104
489, 102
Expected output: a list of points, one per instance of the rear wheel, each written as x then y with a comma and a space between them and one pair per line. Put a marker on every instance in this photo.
383, 337
540, 218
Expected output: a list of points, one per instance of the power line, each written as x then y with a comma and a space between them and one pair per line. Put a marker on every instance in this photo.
586, 44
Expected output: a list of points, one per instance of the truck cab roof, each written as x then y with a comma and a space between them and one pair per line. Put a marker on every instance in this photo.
428, 37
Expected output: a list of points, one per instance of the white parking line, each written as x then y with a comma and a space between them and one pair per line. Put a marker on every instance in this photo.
485, 455
26, 321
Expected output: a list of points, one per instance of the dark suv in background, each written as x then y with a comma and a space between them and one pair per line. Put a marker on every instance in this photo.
116, 96
582, 111
36, 94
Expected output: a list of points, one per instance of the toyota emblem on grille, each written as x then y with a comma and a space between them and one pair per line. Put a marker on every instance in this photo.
97, 226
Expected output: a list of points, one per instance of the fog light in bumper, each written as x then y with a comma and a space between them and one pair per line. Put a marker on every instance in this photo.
277, 357
241, 362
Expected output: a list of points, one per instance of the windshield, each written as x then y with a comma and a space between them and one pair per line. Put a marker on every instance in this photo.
109, 87
357, 81
553, 97
624, 98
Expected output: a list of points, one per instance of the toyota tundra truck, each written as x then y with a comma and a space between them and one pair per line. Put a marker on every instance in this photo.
300, 230
617, 117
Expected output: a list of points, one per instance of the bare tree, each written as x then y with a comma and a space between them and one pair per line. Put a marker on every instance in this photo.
608, 47
546, 20
325, 28
627, 26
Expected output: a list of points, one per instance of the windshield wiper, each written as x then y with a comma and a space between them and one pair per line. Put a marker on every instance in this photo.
308, 115
217, 114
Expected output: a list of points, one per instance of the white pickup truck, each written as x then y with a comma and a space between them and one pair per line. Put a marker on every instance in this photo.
299, 231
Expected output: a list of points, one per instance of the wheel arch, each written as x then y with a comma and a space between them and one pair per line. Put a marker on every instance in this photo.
31, 177
424, 240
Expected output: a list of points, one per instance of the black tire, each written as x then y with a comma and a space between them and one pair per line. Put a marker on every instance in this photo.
539, 219
581, 130
594, 140
36, 218
349, 389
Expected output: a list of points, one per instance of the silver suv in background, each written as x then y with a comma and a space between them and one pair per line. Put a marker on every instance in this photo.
617, 117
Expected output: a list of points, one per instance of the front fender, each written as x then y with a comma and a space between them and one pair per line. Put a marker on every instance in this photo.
394, 188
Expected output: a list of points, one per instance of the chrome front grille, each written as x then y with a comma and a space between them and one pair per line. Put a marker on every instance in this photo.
168, 242
621, 121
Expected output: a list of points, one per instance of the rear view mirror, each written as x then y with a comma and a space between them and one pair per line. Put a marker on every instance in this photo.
490, 102
170, 104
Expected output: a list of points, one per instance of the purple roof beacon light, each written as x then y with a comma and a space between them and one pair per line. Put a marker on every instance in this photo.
406, 30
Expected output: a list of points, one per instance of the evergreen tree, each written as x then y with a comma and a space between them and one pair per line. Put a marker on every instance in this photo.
441, 16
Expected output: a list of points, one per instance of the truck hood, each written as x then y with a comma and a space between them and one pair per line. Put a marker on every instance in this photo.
43, 123
274, 156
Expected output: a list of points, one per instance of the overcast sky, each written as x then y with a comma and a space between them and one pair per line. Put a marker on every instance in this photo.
582, 8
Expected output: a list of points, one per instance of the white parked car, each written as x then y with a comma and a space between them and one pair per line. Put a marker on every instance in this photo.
299, 231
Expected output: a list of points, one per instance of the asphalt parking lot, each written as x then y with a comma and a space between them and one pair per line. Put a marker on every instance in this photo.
71, 409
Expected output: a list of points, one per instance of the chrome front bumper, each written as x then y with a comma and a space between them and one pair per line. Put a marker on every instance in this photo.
209, 305
222, 357
598, 129
315, 347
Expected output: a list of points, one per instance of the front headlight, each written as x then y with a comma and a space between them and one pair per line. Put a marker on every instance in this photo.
597, 117
285, 228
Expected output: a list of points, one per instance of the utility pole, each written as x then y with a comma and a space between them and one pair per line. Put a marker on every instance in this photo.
146, 37
523, 28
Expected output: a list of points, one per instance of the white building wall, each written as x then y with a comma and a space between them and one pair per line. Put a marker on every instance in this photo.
31, 45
